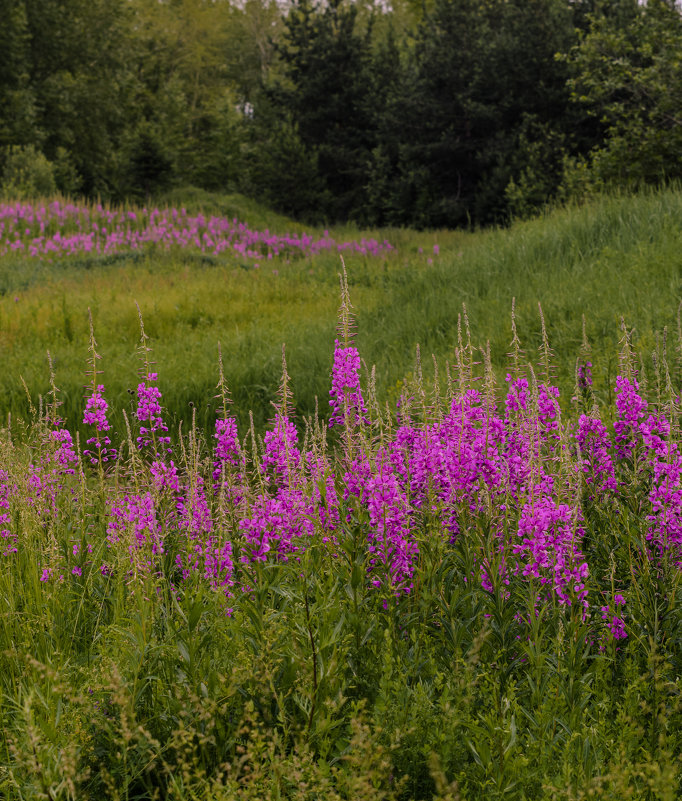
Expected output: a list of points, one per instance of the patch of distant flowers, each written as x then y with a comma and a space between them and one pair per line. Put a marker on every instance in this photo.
60, 228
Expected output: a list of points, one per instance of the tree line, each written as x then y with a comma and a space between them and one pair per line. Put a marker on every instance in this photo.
424, 113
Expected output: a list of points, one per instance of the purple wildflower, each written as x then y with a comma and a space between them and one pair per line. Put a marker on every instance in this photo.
9, 540
596, 462
549, 544
149, 414
282, 456
584, 376
615, 618
229, 462
96, 415
346, 400
631, 409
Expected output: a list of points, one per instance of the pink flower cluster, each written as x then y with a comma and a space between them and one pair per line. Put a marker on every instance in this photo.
153, 430
584, 376
595, 450
549, 549
95, 414
391, 542
49, 474
60, 229
506, 478
345, 395
8, 541
631, 409
615, 623
475, 464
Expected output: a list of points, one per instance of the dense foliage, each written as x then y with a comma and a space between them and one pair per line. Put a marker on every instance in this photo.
475, 595
452, 113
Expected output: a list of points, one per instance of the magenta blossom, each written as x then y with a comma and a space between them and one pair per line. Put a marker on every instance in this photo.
152, 428
345, 395
96, 415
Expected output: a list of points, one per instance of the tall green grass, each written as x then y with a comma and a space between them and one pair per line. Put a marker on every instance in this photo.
122, 685
111, 689
618, 256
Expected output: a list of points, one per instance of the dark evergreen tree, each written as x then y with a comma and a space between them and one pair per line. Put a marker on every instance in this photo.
325, 94
82, 61
279, 168
462, 117
18, 123
149, 166
389, 82
484, 88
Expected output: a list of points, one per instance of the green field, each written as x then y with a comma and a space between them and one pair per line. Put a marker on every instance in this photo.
618, 256
481, 600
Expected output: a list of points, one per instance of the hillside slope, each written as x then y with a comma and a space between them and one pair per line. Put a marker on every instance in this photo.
619, 256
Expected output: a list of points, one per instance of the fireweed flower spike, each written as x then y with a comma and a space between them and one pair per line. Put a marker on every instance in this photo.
615, 617
324, 497
346, 398
229, 462
8, 539
282, 457
346, 401
96, 407
148, 413
133, 523
96, 415
281, 518
631, 409
549, 549
153, 431
204, 554
584, 374
390, 542
47, 476
595, 452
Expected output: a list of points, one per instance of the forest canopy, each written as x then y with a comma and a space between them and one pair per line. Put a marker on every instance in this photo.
440, 113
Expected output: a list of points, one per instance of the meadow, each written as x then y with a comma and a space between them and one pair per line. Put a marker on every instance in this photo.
616, 257
342, 569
